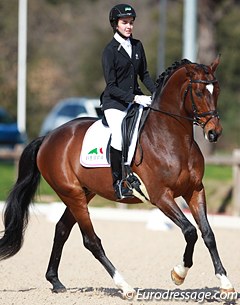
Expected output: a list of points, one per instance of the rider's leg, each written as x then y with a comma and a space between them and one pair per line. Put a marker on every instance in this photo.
120, 189
114, 118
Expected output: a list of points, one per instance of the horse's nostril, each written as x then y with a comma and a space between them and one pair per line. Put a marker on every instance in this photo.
212, 136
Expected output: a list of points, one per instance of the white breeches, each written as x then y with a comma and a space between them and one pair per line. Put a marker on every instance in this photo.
114, 118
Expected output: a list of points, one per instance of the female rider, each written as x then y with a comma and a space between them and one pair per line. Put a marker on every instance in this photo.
123, 61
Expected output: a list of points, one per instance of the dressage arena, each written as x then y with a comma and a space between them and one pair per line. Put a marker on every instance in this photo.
144, 247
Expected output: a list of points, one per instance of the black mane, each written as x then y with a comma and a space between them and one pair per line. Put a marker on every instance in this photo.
163, 77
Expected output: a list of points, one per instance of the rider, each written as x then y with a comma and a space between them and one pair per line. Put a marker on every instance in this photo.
123, 61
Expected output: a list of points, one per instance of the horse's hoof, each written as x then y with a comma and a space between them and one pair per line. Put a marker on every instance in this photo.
129, 295
228, 294
222, 290
59, 289
177, 279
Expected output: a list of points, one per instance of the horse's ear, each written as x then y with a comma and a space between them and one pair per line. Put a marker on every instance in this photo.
216, 62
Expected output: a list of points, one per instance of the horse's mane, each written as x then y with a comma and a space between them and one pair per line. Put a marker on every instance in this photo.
164, 76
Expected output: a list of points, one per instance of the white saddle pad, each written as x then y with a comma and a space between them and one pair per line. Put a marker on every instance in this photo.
94, 149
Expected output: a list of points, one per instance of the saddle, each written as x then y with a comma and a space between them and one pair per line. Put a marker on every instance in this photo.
96, 143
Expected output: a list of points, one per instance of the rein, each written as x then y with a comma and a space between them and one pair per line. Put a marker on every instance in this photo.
196, 115
172, 114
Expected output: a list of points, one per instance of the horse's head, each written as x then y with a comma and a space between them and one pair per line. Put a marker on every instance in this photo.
202, 93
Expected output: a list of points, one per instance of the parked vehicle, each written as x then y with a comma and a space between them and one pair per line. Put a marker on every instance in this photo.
68, 109
9, 133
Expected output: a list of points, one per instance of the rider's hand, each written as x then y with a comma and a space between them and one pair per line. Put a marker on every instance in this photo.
143, 100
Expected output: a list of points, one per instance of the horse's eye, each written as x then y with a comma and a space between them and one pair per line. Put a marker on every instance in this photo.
199, 93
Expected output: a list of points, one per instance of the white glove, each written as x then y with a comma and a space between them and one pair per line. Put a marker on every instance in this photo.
143, 100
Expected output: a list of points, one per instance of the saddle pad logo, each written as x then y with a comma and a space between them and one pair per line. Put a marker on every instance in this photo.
96, 151
95, 154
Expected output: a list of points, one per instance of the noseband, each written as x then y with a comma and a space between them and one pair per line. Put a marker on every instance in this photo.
196, 115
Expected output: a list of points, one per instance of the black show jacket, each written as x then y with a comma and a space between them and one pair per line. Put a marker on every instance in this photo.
121, 74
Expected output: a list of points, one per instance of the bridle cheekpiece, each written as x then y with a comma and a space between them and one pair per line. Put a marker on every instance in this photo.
196, 115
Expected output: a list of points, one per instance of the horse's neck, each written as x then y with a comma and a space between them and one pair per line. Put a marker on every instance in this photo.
171, 98
170, 103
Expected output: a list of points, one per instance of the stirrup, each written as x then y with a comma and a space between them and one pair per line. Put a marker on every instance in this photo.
122, 191
133, 182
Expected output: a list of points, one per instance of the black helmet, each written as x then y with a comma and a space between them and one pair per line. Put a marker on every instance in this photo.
120, 11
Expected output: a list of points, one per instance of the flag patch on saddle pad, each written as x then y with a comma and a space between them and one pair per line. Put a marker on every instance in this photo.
96, 151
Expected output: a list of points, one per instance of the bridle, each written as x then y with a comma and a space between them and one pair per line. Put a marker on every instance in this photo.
196, 115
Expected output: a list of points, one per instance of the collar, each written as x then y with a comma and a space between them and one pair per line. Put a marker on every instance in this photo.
121, 40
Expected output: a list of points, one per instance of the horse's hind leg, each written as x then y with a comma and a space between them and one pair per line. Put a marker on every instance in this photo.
93, 243
169, 207
62, 231
76, 202
197, 204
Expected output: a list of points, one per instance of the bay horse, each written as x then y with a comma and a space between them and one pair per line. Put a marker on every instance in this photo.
172, 165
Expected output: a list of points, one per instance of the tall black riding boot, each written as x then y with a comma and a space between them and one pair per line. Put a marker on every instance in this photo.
120, 189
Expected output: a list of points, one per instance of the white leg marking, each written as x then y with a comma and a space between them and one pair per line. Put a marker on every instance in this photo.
225, 283
128, 291
181, 270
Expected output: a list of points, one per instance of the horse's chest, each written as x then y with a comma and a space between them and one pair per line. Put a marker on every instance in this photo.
187, 179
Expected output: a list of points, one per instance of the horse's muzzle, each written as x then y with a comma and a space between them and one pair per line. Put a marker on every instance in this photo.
213, 136
212, 130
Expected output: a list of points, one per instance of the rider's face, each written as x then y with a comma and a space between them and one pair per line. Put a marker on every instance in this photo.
125, 26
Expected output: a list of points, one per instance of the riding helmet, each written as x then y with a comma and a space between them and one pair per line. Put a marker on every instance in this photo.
120, 11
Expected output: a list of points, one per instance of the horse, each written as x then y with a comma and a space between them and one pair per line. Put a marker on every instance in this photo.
172, 165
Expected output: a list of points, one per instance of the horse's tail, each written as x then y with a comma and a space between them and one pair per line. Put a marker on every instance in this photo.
16, 210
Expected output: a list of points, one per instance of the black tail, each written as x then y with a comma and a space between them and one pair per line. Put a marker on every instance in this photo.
17, 205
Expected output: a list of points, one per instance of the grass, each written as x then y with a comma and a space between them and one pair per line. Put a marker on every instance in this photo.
217, 181
7, 178
220, 173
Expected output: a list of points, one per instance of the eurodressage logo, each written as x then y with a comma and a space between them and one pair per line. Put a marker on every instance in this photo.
95, 154
178, 295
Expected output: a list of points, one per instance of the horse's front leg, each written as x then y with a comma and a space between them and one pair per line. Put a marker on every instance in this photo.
197, 205
170, 208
